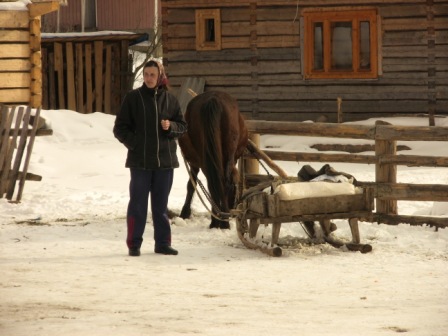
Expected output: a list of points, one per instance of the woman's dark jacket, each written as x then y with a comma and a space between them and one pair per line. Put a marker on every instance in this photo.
138, 127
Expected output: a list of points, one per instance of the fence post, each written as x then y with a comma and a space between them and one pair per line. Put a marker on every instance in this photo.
385, 172
251, 166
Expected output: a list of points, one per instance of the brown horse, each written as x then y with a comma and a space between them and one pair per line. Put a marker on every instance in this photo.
216, 139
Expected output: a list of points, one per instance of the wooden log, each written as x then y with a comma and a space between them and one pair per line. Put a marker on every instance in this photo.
414, 160
379, 132
260, 155
438, 222
386, 173
307, 129
320, 157
14, 19
39, 9
411, 133
251, 166
15, 80
411, 192
14, 95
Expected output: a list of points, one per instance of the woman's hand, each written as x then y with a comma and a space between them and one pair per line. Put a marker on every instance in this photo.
165, 124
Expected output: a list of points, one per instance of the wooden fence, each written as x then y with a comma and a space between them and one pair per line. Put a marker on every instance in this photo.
18, 129
386, 160
87, 73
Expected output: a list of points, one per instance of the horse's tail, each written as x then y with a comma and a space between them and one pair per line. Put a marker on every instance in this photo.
211, 113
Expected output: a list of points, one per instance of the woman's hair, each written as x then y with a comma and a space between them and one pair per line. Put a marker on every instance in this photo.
163, 80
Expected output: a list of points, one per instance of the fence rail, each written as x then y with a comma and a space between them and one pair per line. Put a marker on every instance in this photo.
386, 189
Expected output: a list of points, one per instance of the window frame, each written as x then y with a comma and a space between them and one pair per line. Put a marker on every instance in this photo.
326, 17
202, 15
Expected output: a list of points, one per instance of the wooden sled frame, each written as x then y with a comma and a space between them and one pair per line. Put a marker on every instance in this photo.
256, 207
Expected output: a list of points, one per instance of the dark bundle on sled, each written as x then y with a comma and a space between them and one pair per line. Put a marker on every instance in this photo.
308, 173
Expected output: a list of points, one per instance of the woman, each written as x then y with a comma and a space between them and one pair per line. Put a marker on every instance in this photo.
148, 124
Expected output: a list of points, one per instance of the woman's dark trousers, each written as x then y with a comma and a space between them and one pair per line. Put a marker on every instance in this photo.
144, 182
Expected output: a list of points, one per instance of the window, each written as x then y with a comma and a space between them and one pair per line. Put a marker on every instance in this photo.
341, 44
208, 29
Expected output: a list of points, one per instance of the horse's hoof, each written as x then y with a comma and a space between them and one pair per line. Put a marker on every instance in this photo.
224, 226
185, 214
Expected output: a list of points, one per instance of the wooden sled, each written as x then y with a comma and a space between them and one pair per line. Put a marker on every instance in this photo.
261, 208
255, 207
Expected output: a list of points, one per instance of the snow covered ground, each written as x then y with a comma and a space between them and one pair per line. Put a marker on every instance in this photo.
65, 268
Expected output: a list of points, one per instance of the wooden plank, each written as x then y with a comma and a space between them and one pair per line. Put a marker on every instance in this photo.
441, 222
9, 155
45, 78
79, 77
51, 83
15, 79
5, 126
14, 19
15, 36
108, 80
126, 71
19, 153
28, 155
410, 192
71, 93
15, 50
98, 47
14, 95
89, 87
118, 75
59, 68
15, 65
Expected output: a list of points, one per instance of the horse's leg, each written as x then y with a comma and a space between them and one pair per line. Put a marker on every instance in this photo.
231, 178
186, 209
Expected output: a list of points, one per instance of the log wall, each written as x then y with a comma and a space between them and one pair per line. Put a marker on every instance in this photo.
20, 54
260, 61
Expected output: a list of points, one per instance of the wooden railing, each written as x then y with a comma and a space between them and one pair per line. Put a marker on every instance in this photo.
385, 136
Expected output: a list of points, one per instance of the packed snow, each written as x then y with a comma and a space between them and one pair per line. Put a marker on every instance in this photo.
65, 268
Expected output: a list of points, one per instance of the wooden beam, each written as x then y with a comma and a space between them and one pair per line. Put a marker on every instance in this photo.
59, 68
71, 93
41, 8
98, 50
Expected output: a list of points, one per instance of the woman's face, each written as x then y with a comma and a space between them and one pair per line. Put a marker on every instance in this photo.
151, 76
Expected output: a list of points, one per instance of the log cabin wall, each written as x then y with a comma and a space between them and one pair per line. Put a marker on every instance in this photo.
20, 52
260, 60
